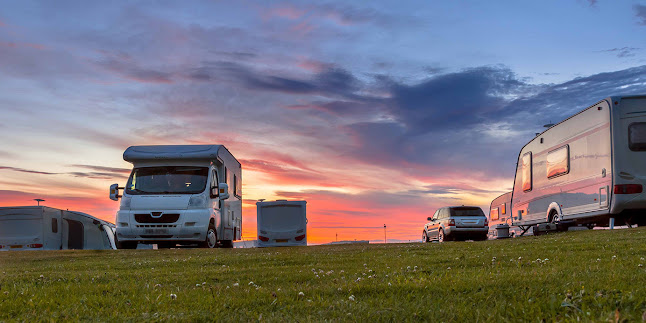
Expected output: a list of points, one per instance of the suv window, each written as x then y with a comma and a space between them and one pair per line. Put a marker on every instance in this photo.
467, 211
435, 215
444, 214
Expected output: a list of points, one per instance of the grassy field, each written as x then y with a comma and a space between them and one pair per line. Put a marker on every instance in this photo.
587, 276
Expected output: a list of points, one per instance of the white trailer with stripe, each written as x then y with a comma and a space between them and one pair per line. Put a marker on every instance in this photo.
586, 169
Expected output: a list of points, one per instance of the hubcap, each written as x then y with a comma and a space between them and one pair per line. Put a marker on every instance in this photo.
424, 237
211, 239
441, 236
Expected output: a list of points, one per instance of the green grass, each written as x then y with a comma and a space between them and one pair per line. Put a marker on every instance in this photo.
587, 276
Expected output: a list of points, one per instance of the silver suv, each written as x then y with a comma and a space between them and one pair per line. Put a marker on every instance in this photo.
456, 222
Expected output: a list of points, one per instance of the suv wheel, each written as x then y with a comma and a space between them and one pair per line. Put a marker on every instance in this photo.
440, 236
424, 237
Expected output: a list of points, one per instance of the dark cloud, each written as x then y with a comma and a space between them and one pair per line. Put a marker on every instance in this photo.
329, 82
101, 172
456, 99
623, 52
22, 170
132, 71
640, 13
472, 122
113, 170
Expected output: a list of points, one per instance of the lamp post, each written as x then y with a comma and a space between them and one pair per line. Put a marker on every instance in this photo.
385, 240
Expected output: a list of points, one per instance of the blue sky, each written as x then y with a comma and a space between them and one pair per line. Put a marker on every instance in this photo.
373, 111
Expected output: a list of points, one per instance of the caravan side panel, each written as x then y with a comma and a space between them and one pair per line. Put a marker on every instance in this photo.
566, 170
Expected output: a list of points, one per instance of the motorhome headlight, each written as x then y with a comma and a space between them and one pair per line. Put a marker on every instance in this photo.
125, 202
197, 202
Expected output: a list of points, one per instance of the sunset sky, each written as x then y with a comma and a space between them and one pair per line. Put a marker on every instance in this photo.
375, 112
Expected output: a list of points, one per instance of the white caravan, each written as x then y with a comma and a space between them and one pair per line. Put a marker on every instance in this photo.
282, 223
46, 228
499, 213
586, 169
180, 195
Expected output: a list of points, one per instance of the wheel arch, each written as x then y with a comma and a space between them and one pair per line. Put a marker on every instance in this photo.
553, 208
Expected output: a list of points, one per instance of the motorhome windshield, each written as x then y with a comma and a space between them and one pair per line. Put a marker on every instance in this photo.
167, 180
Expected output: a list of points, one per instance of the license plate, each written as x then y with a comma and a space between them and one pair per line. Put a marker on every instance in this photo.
281, 240
156, 231
16, 246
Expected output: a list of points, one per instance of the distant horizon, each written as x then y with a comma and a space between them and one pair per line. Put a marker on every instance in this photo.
371, 112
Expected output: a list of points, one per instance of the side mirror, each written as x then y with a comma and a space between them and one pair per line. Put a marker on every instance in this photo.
114, 192
428, 219
224, 191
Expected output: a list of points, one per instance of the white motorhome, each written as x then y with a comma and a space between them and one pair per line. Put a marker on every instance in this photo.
281, 223
586, 169
46, 228
186, 194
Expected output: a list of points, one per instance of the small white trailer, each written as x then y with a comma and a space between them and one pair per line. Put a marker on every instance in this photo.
46, 228
281, 223
186, 194
587, 169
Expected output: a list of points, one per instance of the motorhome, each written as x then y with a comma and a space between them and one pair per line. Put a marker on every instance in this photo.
46, 228
587, 169
183, 194
281, 223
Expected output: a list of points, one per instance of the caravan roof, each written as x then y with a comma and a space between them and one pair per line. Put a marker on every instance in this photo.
163, 152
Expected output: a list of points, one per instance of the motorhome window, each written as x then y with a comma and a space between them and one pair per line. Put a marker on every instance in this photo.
503, 208
54, 225
637, 136
467, 211
237, 185
558, 161
226, 175
526, 171
493, 215
214, 183
75, 236
167, 180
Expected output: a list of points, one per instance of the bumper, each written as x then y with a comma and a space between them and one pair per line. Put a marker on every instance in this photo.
282, 239
465, 232
190, 226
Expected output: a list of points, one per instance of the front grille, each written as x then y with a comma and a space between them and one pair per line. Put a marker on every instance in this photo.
156, 226
164, 218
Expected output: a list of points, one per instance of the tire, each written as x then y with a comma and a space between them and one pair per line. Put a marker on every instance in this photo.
126, 245
440, 236
425, 237
211, 240
226, 243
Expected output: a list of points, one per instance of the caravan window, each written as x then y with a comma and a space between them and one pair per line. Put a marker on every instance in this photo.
637, 136
526, 171
558, 161
493, 215
503, 208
